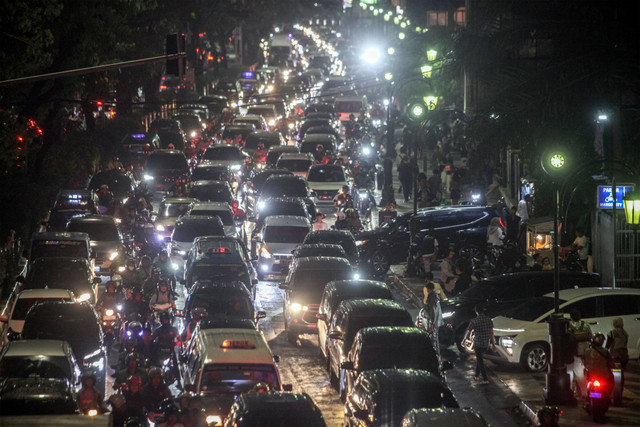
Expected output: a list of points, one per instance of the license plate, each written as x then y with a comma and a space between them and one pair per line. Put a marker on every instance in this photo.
595, 395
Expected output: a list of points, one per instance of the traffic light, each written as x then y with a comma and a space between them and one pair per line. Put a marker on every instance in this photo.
175, 44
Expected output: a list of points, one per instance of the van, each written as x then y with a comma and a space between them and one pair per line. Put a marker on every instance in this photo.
56, 244
347, 105
219, 364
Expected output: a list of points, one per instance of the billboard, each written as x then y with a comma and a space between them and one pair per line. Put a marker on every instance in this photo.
605, 196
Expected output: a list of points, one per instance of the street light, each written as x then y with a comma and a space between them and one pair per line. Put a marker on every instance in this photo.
388, 76
632, 207
426, 71
371, 55
391, 51
401, 35
416, 110
431, 55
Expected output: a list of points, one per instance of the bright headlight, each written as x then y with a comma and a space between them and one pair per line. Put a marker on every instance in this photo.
147, 177
261, 205
366, 151
264, 252
113, 255
122, 268
447, 314
297, 307
214, 420
84, 298
360, 242
506, 342
193, 134
92, 412
108, 312
160, 227
272, 122
174, 266
291, 125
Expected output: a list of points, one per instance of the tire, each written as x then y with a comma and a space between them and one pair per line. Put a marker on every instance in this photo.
379, 262
284, 316
597, 411
535, 357
473, 253
333, 379
459, 336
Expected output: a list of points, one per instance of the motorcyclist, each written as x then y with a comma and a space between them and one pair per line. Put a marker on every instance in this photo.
105, 198
145, 267
117, 279
350, 127
327, 158
110, 297
195, 416
354, 220
135, 308
340, 201
260, 155
171, 417
598, 361
131, 276
131, 345
319, 153
164, 264
135, 407
151, 284
162, 296
156, 390
132, 368
88, 396
197, 314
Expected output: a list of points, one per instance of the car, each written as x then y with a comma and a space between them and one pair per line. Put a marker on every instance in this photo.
170, 209
228, 90
462, 226
19, 304
303, 288
267, 112
213, 172
324, 130
39, 358
298, 163
173, 139
220, 209
459, 417
216, 104
326, 181
274, 408
290, 206
106, 240
121, 184
350, 316
278, 237
340, 237
500, 293
340, 290
199, 109
37, 396
256, 120
219, 266
223, 300
268, 139
287, 186
274, 152
230, 132
212, 191
381, 397
522, 333
251, 188
165, 125
62, 273
222, 245
55, 244
310, 142
319, 249
309, 123
162, 169
387, 347
75, 323
226, 154
186, 230
191, 124
136, 147
77, 199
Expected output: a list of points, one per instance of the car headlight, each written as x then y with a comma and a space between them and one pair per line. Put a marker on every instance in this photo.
108, 312
291, 125
447, 314
113, 255
121, 268
261, 205
160, 227
264, 252
174, 266
272, 122
84, 297
214, 420
295, 307
193, 134
119, 307
507, 344
147, 177
366, 151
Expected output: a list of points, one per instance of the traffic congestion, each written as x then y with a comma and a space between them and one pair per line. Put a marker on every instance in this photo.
231, 264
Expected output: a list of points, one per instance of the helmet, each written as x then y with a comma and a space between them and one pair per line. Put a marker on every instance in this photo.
88, 375
163, 282
135, 327
260, 146
131, 261
111, 284
131, 356
155, 372
130, 344
261, 387
165, 316
116, 278
597, 340
134, 380
198, 313
352, 116
117, 400
319, 147
146, 258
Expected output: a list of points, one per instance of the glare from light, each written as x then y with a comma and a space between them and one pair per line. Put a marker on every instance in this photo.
385, 102
391, 51
401, 36
371, 55
388, 76
431, 54
603, 117
557, 160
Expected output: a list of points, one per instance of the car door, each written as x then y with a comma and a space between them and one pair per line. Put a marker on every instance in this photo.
628, 308
338, 324
590, 309
323, 323
398, 239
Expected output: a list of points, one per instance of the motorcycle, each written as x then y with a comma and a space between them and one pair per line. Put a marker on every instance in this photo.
110, 321
598, 396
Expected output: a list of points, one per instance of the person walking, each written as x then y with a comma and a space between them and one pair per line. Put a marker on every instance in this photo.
483, 327
448, 273
405, 175
432, 319
617, 340
429, 250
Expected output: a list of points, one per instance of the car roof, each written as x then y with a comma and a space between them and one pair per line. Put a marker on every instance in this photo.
571, 294
372, 287
59, 235
214, 338
213, 286
213, 166
60, 259
518, 278
94, 218
221, 146
275, 401
36, 348
212, 205
286, 220
45, 293
296, 156
285, 148
321, 263
198, 219
372, 305
386, 380
179, 200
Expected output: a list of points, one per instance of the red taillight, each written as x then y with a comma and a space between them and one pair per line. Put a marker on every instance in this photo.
596, 383
501, 223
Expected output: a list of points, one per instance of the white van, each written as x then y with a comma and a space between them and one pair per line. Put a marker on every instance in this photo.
346, 105
219, 364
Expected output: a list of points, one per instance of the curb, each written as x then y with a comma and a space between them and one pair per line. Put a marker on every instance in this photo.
407, 291
529, 411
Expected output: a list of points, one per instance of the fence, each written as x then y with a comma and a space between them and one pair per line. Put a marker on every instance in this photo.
627, 245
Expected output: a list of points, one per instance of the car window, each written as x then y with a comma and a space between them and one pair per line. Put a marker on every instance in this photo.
100, 232
35, 366
326, 174
223, 153
587, 307
620, 305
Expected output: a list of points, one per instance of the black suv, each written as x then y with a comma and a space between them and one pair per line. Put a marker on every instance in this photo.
501, 293
274, 408
339, 237
226, 300
163, 167
464, 227
251, 188
287, 186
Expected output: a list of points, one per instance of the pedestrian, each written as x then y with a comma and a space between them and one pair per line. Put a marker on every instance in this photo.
581, 245
423, 190
464, 279
405, 175
448, 273
387, 196
432, 319
617, 340
429, 250
483, 336
455, 190
495, 232
434, 184
446, 176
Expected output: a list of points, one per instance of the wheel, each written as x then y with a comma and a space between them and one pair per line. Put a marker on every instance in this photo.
379, 263
472, 253
598, 409
333, 379
292, 337
327, 364
467, 345
459, 336
535, 357
284, 315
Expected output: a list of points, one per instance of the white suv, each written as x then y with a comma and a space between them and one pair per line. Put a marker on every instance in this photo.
220, 209
279, 236
522, 334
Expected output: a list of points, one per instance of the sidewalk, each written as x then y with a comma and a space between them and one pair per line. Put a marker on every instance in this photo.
528, 386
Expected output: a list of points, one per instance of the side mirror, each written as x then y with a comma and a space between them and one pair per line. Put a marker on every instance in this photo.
13, 336
361, 414
347, 365
321, 316
261, 314
335, 335
276, 358
97, 280
284, 286
446, 365
287, 387
254, 281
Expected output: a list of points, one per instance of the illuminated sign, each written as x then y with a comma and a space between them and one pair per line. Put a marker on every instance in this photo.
605, 196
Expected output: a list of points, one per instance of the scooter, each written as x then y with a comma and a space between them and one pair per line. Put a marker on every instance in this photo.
110, 321
594, 390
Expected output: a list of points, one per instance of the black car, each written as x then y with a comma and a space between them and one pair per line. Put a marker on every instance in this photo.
212, 172
37, 396
274, 408
163, 167
119, 183
462, 227
223, 299
268, 139
339, 237
220, 268
212, 191
285, 186
319, 249
251, 188
76, 323
501, 293
311, 142
381, 397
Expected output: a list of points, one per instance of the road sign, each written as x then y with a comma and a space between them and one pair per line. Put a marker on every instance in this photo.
605, 196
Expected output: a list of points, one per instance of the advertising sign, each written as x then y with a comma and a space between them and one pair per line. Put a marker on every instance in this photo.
605, 196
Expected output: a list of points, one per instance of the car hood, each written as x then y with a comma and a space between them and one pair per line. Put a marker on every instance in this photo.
369, 235
454, 303
218, 403
167, 221
315, 185
281, 248
165, 173
506, 325
105, 246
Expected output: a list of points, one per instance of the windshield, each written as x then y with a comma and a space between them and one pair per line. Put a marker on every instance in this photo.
82, 332
167, 138
285, 234
167, 161
98, 232
262, 111
224, 306
216, 173
188, 232
349, 106
35, 366
284, 188
188, 122
231, 132
225, 216
532, 309
23, 305
326, 174
172, 210
482, 290
216, 271
309, 285
348, 245
56, 248
59, 275
58, 219
252, 142
210, 193
295, 165
220, 246
417, 354
223, 153
237, 378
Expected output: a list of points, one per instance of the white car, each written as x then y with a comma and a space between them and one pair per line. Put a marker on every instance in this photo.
522, 334
279, 237
221, 210
298, 163
326, 181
